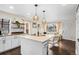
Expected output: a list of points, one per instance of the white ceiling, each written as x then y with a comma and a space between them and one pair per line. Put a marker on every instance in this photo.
53, 11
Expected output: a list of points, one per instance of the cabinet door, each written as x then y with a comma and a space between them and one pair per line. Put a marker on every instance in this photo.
45, 48
1, 45
19, 41
77, 50
15, 42
7, 43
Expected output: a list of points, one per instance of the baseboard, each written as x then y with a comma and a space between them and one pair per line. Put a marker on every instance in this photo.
69, 40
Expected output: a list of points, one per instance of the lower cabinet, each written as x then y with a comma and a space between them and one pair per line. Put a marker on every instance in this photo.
77, 47
1, 45
8, 42
31, 47
15, 42
45, 48
77, 50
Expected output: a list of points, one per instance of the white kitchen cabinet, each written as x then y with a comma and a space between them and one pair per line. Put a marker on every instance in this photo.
34, 45
19, 40
77, 47
12, 42
15, 42
45, 48
31, 47
77, 50
7, 42
1, 44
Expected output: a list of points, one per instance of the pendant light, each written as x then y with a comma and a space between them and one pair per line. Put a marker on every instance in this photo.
44, 22
44, 19
35, 17
43, 14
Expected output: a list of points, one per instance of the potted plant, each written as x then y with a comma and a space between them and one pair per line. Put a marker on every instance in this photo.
18, 24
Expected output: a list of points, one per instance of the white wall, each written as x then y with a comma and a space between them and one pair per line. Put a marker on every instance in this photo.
69, 28
77, 25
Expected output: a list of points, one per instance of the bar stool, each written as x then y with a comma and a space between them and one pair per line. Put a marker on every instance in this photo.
53, 42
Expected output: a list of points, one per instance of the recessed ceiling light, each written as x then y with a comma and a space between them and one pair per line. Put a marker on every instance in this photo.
11, 7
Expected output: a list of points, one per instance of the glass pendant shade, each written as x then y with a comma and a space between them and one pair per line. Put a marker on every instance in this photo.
35, 18
44, 19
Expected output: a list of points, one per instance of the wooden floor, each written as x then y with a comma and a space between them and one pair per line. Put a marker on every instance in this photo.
15, 51
66, 47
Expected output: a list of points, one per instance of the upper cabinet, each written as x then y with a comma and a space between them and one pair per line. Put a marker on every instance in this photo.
4, 26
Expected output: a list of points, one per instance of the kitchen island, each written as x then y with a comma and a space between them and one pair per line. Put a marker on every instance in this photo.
34, 45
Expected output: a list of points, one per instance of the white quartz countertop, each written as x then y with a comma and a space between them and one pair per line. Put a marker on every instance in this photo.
37, 38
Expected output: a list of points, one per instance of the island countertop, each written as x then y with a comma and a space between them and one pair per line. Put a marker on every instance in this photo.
37, 38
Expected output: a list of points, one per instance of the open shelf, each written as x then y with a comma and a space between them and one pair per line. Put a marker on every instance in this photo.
14, 27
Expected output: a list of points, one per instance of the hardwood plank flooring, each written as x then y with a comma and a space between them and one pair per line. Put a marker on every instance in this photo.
66, 47
15, 51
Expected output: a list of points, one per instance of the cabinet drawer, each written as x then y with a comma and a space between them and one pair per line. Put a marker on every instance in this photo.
1, 45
